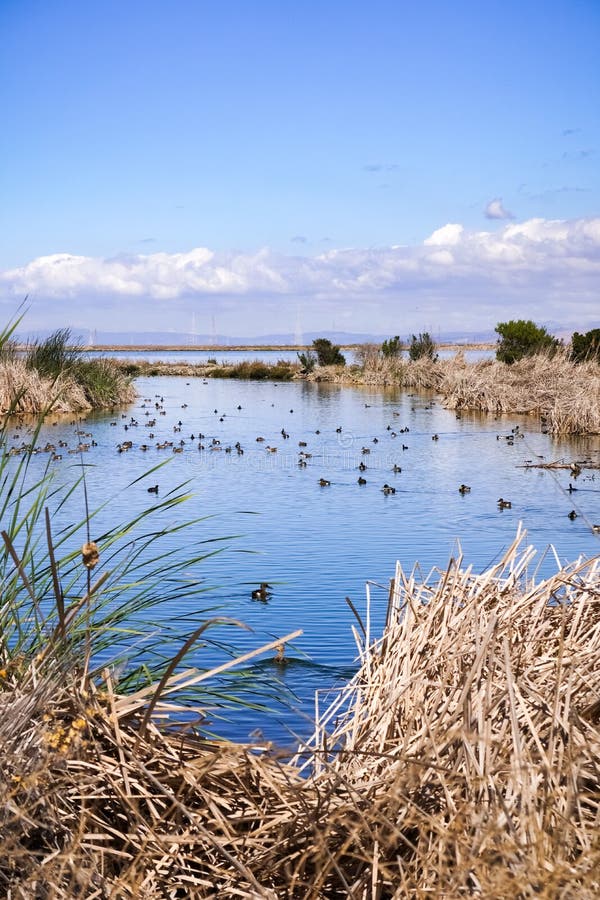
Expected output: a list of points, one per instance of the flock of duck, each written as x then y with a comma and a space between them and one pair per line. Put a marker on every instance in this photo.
152, 421
154, 408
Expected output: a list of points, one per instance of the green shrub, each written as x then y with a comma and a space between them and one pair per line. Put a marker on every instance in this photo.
391, 348
522, 337
308, 361
328, 354
586, 346
422, 347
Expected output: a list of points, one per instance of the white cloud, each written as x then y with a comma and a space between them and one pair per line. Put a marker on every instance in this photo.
542, 268
448, 234
496, 210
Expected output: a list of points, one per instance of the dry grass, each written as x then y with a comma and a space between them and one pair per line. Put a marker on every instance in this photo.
565, 394
462, 759
24, 390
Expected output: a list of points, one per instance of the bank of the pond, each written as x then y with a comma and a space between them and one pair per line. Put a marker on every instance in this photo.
461, 759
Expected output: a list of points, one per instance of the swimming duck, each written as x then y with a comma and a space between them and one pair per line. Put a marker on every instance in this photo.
362, 467
464, 489
388, 489
323, 482
279, 658
362, 480
504, 504
396, 469
262, 592
153, 490
572, 515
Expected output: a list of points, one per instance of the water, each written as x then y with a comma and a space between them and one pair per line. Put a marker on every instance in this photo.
318, 545
227, 357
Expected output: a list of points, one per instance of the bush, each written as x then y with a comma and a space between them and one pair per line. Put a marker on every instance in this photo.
422, 347
522, 337
328, 354
308, 361
586, 346
391, 348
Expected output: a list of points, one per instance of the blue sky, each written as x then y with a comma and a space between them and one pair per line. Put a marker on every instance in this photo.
263, 162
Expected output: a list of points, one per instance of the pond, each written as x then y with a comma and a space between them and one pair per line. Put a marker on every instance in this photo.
318, 544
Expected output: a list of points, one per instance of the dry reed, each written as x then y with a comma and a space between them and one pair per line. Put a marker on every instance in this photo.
462, 759
24, 390
564, 393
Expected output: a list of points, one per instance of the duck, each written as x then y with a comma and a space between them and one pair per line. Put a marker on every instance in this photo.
572, 515
362, 480
396, 469
571, 488
323, 482
464, 489
261, 593
153, 490
362, 467
279, 657
388, 489
504, 504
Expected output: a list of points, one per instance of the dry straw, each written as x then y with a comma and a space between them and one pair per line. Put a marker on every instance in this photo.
565, 393
461, 760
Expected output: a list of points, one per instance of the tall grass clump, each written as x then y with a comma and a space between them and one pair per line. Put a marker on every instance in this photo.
53, 355
53, 375
103, 382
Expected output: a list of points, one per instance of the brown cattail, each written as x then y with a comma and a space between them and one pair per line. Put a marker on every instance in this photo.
90, 554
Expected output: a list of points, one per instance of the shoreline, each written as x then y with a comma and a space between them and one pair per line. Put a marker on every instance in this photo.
271, 348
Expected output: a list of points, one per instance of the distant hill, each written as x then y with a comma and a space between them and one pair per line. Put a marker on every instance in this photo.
177, 338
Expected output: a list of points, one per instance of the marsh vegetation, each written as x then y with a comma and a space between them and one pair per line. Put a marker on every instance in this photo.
54, 375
